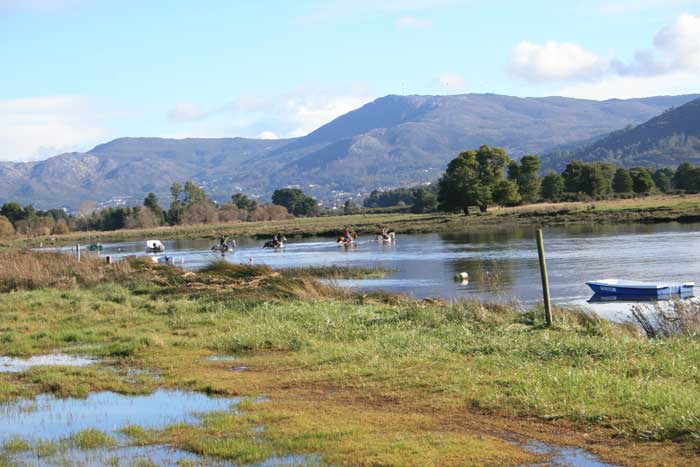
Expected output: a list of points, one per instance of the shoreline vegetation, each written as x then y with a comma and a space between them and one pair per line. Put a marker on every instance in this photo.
651, 209
356, 379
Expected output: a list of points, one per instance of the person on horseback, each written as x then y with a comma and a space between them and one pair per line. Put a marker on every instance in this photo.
347, 234
222, 242
277, 239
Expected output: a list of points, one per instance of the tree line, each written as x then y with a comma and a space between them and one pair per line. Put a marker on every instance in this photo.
477, 178
189, 205
486, 176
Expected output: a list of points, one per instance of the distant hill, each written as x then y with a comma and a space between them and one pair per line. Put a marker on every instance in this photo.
392, 141
664, 141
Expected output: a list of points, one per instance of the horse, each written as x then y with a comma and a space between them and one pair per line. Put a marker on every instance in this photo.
342, 240
224, 247
388, 237
276, 243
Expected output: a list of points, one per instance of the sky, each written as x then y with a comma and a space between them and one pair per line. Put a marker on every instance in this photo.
75, 73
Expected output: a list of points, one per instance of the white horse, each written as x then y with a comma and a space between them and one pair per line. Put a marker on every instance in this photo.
224, 247
386, 236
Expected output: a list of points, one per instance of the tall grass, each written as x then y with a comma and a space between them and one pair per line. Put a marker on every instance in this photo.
668, 319
26, 269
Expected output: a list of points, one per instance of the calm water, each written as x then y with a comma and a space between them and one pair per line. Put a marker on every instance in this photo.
47, 417
501, 265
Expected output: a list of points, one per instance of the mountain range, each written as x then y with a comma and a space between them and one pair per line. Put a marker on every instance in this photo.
392, 141
665, 140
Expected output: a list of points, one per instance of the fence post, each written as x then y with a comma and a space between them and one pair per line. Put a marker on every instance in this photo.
545, 279
77, 251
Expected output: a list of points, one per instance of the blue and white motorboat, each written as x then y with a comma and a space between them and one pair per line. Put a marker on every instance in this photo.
639, 289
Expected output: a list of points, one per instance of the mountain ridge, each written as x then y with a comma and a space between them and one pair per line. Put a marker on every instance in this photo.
664, 140
391, 141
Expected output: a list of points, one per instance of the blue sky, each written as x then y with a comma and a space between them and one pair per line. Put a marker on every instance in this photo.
79, 72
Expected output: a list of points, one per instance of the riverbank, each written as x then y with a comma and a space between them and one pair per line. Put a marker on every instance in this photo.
652, 209
353, 379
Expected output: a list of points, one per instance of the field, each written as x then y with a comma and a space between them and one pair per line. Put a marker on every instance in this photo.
684, 208
354, 379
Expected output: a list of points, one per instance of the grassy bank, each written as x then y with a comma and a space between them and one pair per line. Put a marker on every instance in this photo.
359, 380
650, 209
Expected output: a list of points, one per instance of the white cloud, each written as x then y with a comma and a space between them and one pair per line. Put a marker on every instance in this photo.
679, 43
671, 66
626, 87
36, 127
412, 22
267, 135
295, 113
555, 61
451, 81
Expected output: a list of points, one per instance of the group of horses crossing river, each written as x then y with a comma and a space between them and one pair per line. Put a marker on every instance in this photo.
279, 241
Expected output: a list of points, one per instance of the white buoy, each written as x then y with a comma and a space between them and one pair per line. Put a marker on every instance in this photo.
462, 277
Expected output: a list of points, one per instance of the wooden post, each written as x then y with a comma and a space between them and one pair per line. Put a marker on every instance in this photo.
545, 279
77, 251
109, 259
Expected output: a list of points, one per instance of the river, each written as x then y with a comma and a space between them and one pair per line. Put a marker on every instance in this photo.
502, 265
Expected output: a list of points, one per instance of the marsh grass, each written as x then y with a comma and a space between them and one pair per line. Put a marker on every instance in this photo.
338, 272
91, 438
15, 445
679, 318
351, 377
30, 270
239, 450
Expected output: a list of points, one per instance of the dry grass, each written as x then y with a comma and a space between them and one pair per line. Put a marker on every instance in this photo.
26, 269
676, 318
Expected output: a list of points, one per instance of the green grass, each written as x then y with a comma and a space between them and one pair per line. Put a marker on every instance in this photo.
91, 438
330, 361
239, 450
15, 445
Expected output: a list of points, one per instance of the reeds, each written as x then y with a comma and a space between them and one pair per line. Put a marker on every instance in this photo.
27, 269
668, 319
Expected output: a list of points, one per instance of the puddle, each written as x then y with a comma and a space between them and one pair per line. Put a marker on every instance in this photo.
47, 417
240, 368
159, 455
222, 358
18, 365
562, 456
136, 455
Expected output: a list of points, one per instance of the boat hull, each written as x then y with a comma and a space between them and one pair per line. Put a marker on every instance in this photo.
602, 288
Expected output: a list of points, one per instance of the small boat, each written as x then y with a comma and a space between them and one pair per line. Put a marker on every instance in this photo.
639, 289
154, 246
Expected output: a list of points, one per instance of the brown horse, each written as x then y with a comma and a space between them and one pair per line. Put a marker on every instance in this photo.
345, 240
